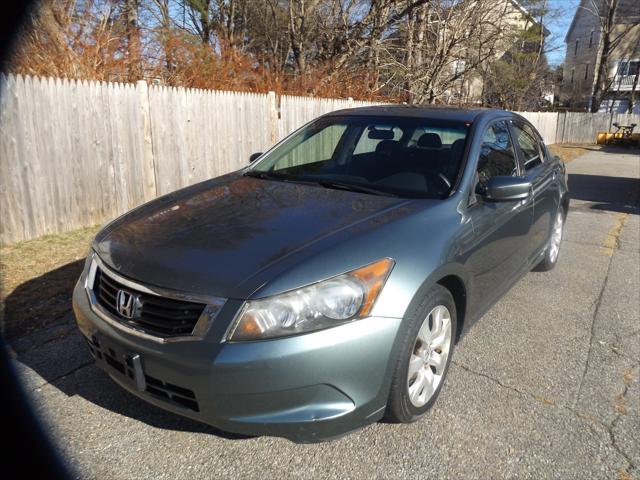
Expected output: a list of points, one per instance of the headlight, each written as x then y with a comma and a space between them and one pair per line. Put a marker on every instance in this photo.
321, 305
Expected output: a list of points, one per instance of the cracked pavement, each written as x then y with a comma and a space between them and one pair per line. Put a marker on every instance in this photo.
545, 385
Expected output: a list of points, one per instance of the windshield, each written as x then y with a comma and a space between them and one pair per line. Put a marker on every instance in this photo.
407, 157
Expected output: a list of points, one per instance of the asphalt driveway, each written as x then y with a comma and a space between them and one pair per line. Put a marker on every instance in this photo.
544, 386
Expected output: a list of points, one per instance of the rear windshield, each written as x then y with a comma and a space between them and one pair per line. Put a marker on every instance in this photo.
409, 157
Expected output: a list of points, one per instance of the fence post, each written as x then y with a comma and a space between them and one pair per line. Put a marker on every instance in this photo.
150, 186
560, 127
273, 117
350, 102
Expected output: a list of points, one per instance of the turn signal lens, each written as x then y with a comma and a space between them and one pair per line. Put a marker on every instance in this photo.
372, 277
321, 305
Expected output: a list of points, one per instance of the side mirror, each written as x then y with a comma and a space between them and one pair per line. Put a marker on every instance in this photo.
504, 189
254, 156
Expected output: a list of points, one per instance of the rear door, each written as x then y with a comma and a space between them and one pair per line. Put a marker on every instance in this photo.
540, 172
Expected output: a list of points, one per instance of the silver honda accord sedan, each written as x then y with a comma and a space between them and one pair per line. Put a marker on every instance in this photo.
324, 286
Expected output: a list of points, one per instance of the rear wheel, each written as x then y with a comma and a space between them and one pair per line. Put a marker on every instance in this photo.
552, 251
424, 358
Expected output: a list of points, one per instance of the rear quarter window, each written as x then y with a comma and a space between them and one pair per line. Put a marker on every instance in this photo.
366, 144
447, 135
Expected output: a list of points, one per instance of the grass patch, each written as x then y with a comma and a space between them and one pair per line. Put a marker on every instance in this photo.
38, 278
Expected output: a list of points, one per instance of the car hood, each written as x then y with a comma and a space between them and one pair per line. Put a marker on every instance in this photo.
219, 237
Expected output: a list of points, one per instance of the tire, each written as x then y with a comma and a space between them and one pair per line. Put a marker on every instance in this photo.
550, 258
405, 403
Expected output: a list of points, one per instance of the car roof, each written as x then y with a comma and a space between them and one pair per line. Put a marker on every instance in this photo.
421, 111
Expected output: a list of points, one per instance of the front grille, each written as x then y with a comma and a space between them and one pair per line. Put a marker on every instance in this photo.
159, 316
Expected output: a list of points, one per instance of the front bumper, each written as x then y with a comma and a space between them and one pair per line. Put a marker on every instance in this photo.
305, 388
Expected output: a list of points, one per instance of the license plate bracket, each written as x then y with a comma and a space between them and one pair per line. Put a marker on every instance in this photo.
138, 372
129, 365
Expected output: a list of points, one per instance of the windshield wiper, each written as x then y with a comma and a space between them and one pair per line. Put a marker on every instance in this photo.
355, 188
324, 183
277, 177
259, 174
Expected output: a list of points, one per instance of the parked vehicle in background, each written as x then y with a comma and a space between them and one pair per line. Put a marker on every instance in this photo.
325, 285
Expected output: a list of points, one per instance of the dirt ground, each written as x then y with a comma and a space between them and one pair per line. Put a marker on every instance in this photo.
38, 277
568, 152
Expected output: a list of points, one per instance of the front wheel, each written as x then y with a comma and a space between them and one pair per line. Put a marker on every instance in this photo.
424, 357
553, 246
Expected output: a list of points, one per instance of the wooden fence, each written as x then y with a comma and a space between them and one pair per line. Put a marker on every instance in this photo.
200, 134
72, 154
76, 153
576, 127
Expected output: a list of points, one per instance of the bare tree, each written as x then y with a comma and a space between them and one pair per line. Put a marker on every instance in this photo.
398, 50
443, 44
164, 21
300, 15
613, 31
132, 30
201, 18
520, 77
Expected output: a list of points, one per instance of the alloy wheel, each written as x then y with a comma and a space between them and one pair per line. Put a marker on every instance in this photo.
556, 238
429, 356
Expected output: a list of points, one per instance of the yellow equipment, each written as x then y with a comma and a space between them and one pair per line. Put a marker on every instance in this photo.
622, 136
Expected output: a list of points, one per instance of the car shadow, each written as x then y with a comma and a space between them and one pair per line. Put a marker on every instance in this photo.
40, 302
614, 194
41, 331
621, 149
611, 149
95, 386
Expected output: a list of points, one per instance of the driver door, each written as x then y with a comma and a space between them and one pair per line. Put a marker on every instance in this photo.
501, 228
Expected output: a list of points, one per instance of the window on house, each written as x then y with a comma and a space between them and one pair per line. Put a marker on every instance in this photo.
591, 39
622, 67
573, 71
628, 67
586, 71
575, 52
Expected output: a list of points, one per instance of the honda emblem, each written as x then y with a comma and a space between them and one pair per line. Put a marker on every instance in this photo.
125, 303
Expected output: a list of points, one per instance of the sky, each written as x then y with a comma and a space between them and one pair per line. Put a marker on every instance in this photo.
562, 12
